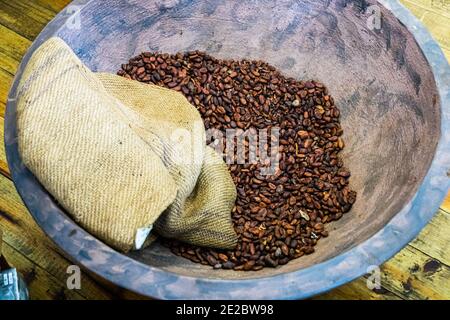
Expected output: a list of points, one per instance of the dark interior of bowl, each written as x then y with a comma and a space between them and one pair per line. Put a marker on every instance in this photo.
380, 80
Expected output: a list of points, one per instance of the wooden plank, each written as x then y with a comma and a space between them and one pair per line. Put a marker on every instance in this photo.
5, 83
434, 239
41, 285
24, 17
12, 48
412, 274
438, 25
12, 44
54, 5
22, 233
417, 10
8, 64
441, 7
3, 164
446, 204
435, 15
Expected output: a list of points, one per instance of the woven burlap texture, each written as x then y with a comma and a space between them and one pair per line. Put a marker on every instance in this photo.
105, 148
200, 213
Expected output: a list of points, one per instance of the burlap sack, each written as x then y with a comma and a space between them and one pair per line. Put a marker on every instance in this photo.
200, 213
104, 157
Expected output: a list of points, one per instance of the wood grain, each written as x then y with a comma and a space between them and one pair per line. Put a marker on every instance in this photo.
420, 271
4, 170
436, 17
434, 239
26, 18
446, 204
5, 82
13, 44
413, 275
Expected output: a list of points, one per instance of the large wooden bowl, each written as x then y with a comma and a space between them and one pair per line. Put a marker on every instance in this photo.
391, 82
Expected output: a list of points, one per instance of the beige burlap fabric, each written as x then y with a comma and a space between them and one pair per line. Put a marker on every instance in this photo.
200, 213
119, 155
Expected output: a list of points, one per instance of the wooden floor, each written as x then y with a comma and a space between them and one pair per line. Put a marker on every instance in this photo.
419, 271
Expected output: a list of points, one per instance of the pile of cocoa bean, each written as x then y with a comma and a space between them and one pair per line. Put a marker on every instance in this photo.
281, 216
